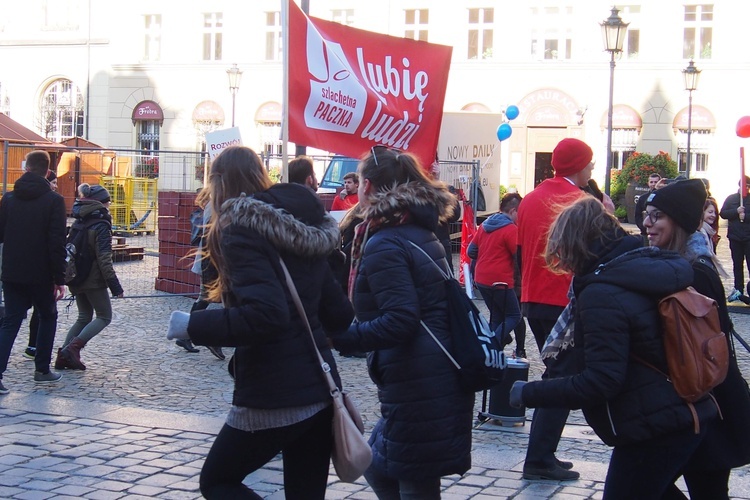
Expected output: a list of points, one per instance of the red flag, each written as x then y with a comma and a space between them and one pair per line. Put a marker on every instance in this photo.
350, 89
468, 230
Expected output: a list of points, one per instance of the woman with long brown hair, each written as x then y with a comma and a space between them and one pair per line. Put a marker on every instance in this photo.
281, 400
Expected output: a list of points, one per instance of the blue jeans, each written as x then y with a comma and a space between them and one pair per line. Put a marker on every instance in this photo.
387, 488
505, 312
18, 299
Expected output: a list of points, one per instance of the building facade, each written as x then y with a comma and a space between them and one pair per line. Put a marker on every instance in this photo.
153, 75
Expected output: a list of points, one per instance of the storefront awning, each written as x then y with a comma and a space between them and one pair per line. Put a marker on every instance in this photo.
476, 107
148, 110
703, 119
269, 112
623, 117
208, 111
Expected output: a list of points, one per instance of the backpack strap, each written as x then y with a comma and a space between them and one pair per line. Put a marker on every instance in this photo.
446, 274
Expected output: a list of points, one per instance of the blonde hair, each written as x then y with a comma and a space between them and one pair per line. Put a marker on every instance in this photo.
235, 171
573, 231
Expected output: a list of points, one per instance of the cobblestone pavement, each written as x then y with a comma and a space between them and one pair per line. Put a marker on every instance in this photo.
140, 420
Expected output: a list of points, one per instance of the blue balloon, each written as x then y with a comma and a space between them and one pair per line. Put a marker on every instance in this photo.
511, 112
504, 131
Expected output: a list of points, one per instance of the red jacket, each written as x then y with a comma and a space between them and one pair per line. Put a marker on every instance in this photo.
496, 253
535, 215
346, 203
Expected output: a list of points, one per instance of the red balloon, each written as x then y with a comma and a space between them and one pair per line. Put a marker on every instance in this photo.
743, 127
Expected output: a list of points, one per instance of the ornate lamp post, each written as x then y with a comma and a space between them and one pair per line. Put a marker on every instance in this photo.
613, 33
235, 75
691, 74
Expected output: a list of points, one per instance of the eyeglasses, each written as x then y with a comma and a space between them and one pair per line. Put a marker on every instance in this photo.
382, 150
653, 216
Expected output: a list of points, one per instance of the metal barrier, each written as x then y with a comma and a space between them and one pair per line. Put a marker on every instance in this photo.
135, 179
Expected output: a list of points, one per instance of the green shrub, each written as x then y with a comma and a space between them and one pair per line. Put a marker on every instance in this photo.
637, 169
621, 212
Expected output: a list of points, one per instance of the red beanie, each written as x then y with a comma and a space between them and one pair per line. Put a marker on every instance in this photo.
570, 157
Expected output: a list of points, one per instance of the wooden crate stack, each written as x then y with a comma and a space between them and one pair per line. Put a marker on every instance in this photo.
174, 275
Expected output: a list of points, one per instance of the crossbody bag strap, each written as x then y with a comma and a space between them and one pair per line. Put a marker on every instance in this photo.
301, 310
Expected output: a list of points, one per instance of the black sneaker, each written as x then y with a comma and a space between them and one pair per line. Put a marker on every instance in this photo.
216, 351
29, 353
44, 378
521, 353
3, 389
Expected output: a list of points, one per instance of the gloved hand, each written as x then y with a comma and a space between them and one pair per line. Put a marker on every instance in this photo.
178, 325
516, 394
344, 342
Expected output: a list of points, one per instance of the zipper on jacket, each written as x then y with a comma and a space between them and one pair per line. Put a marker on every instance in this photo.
611, 422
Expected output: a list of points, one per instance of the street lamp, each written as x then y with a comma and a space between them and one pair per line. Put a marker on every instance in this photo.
613, 32
235, 75
691, 74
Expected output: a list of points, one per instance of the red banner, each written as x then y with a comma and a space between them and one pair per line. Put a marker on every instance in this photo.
468, 230
351, 89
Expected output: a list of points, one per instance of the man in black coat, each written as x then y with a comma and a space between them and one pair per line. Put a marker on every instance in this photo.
738, 234
32, 230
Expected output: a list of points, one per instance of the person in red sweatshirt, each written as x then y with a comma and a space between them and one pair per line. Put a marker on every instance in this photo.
493, 250
544, 294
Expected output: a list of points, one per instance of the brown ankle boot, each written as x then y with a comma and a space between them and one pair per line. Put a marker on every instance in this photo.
72, 354
61, 363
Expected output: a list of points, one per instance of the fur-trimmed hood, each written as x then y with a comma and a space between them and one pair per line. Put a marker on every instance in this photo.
428, 205
287, 233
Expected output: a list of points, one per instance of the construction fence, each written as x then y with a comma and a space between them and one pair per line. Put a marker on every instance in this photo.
153, 196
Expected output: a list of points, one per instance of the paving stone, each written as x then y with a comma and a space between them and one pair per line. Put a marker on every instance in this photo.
144, 433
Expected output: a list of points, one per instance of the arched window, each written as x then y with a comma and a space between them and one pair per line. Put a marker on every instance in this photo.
61, 111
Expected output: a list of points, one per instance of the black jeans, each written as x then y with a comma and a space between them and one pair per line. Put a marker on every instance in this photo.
740, 255
548, 423
18, 299
647, 470
305, 446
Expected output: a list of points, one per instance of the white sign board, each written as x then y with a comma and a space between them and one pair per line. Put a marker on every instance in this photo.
220, 139
466, 137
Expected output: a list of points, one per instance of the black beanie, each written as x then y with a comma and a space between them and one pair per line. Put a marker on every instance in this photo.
95, 192
683, 201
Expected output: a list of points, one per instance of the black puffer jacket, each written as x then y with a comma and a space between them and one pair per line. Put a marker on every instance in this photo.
32, 228
275, 365
737, 230
727, 443
425, 430
99, 239
623, 400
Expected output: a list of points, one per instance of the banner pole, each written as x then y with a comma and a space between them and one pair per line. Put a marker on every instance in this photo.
285, 95
743, 186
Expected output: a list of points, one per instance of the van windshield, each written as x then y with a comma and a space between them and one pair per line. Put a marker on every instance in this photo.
336, 170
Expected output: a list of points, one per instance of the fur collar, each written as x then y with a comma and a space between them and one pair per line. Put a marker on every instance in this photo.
282, 230
418, 198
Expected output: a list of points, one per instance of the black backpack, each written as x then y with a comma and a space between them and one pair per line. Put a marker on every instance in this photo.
476, 352
79, 255
196, 227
